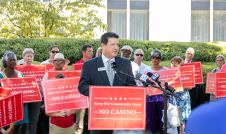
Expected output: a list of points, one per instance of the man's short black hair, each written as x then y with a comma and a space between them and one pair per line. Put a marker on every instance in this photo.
84, 47
50, 49
104, 38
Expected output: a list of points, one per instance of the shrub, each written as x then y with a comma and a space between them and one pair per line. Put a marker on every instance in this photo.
71, 47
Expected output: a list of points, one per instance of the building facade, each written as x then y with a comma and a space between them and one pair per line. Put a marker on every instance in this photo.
168, 20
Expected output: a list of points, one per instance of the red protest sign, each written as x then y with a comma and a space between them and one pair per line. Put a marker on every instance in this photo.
198, 71
117, 108
37, 71
77, 66
187, 76
172, 76
53, 74
4, 92
51, 66
63, 94
11, 109
221, 84
26, 85
211, 83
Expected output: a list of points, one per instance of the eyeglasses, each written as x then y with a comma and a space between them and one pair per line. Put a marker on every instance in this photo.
54, 52
139, 55
155, 57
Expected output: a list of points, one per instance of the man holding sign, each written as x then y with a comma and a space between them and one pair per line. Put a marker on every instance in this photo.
98, 71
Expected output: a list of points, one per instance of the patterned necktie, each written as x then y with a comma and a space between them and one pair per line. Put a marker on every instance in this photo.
110, 72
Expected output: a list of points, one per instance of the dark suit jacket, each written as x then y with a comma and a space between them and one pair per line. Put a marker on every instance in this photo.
92, 76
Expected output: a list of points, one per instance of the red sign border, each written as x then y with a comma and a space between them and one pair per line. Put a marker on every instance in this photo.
39, 100
22, 107
89, 119
62, 109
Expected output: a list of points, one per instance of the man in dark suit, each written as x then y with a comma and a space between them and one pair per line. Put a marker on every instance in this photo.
97, 71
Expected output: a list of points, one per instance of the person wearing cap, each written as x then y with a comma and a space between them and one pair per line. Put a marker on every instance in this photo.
34, 107
126, 52
61, 122
52, 52
154, 104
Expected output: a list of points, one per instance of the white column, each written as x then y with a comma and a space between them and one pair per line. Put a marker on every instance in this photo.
149, 19
211, 21
128, 19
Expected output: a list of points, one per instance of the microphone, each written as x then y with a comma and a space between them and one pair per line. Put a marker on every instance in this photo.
144, 79
155, 77
117, 72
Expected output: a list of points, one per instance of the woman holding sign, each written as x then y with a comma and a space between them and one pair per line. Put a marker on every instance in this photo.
220, 67
34, 107
183, 100
154, 104
9, 62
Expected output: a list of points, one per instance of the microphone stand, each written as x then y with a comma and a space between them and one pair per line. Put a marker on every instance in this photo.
165, 101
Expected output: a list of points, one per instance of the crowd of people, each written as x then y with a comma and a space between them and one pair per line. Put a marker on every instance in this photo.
75, 121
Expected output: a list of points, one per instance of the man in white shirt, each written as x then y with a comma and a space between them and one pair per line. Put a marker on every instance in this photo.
138, 58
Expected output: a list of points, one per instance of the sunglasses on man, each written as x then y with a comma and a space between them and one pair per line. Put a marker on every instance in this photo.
54, 52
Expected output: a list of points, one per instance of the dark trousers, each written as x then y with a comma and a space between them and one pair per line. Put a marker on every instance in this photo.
43, 122
154, 116
198, 96
33, 112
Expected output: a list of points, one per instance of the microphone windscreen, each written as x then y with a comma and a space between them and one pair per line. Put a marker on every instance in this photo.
149, 74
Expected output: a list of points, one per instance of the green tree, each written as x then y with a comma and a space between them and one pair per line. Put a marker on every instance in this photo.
57, 18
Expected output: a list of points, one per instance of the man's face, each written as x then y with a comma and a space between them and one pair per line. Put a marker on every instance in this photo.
126, 54
53, 52
219, 62
110, 50
28, 58
59, 64
138, 56
88, 54
189, 55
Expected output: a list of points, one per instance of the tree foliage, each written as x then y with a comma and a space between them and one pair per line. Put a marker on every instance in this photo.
57, 18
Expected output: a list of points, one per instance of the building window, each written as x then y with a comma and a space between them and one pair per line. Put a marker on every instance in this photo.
200, 26
139, 25
219, 26
117, 22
